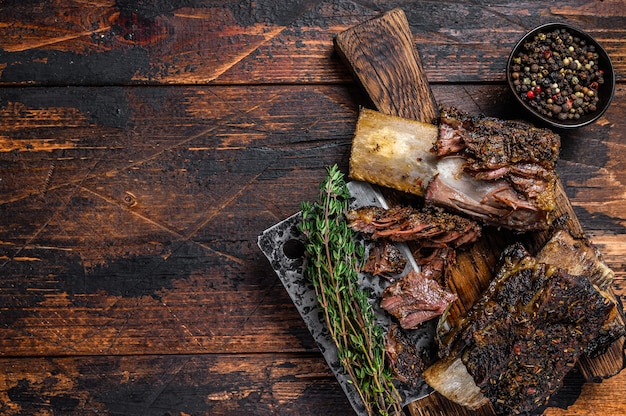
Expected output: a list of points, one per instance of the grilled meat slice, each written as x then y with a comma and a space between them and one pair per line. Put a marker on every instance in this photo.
433, 227
415, 298
498, 167
385, 260
522, 337
405, 359
435, 262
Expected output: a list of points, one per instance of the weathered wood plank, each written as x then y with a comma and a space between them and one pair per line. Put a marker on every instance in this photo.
220, 384
139, 237
61, 138
175, 302
192, 42
381, 55
171, 384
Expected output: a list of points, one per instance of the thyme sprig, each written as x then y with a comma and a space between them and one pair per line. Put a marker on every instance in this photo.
333, 261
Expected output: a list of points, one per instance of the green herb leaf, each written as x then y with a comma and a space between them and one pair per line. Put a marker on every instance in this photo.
333, 262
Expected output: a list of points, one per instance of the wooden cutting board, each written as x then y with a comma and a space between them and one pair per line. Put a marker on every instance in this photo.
381, 54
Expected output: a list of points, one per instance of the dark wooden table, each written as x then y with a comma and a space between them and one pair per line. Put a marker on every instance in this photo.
145, 145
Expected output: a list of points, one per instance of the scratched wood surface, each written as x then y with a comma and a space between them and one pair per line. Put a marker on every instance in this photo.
145, 145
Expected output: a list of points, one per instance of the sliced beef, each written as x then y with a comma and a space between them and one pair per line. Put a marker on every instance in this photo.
415, 298
500, 171
492, 202
435, 262
432, 227
385, 260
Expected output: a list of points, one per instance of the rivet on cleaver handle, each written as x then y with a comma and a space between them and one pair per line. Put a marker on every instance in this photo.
279, 244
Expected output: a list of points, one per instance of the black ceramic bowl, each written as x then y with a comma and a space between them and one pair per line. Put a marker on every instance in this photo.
546, 95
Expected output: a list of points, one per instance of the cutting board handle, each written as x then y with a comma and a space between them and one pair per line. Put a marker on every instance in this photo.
381, 54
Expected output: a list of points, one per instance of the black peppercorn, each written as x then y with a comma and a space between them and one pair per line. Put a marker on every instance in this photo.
557, 73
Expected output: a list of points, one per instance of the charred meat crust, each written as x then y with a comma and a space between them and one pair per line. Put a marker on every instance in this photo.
406, 360
527, 331
579, 257
495, 146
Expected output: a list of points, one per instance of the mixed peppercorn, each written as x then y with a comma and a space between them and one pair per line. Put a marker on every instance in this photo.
557, 74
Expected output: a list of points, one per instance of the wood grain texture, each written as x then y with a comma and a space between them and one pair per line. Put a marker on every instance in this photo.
145, 145
381, 54
120, 220
219, 384
198, 42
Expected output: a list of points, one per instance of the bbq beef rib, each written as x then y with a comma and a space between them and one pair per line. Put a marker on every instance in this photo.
499, 172
517, 343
